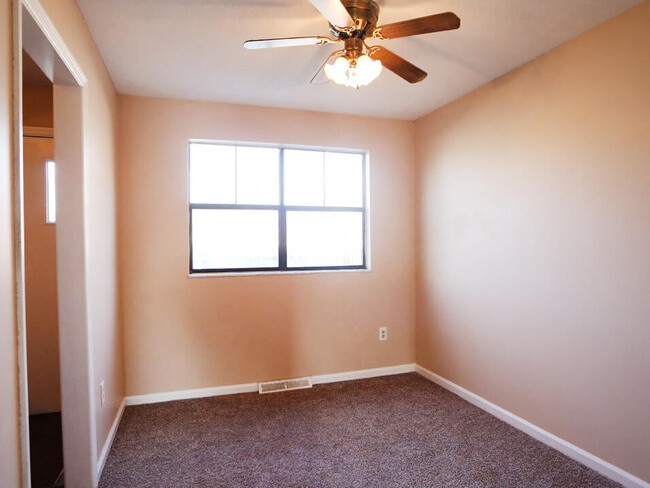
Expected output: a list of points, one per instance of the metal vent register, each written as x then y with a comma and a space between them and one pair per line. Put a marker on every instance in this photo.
284, 385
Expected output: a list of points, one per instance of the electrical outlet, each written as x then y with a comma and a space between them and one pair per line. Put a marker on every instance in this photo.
102, 392
383, 333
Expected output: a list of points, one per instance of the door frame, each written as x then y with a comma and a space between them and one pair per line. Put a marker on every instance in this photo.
34, 32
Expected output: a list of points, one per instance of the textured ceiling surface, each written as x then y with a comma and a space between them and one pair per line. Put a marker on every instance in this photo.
192, 49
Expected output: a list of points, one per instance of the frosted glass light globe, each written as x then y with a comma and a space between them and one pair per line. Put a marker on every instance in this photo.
367, 69
337, 72
353, 73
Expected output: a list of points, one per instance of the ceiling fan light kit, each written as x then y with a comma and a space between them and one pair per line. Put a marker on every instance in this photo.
352, 22
353, 66
353, 72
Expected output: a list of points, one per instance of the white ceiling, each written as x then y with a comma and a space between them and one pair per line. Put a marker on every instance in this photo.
192, 49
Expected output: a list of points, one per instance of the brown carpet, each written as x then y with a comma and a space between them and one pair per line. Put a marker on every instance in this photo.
396, 431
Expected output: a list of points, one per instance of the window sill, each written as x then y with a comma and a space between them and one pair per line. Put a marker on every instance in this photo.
277, 273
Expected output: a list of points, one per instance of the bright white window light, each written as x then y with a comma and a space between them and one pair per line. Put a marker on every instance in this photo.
50, 192
353, 72
260, 208
324, 239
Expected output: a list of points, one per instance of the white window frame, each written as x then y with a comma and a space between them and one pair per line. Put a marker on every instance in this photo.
282, 209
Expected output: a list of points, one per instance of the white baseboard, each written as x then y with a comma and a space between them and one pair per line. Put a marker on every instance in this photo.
614, 473
252, 387
169, 396
363, 373
101, 462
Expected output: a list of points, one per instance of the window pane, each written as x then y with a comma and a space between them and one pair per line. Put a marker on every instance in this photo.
343, 180
226, 239
212, 173
324, 239
303, 177
50, 192
258, 175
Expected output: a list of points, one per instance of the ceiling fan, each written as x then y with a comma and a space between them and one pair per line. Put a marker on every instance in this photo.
352, 22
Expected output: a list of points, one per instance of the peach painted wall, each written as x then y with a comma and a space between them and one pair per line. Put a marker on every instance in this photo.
40, 283
9, 436
534, 241
183, 332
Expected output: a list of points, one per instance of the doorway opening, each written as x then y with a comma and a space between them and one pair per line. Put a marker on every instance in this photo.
57, 423
41, 310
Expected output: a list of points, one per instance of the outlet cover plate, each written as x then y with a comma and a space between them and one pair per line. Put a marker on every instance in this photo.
383, 333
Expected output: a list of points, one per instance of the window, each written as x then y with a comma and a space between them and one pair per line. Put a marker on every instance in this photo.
261, 208
50, 192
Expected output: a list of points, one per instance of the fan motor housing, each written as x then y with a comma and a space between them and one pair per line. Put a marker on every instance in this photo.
366, 15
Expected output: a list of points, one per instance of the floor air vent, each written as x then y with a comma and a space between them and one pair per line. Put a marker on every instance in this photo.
284, 385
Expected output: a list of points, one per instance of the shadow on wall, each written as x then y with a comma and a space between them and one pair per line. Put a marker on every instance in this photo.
272, 333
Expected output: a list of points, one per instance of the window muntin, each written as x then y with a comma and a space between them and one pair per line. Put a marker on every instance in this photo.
50, 192
262, 208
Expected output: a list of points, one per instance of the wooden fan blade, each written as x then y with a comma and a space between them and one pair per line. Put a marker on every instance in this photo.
422, 25
334, 12
398, 65
287, 42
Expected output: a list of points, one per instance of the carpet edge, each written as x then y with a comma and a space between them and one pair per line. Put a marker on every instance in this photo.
614, 473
